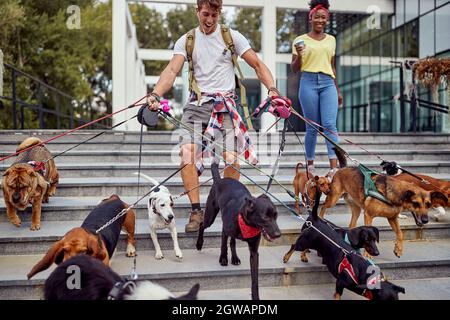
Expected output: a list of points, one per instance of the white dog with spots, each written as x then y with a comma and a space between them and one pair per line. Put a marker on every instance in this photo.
160, 216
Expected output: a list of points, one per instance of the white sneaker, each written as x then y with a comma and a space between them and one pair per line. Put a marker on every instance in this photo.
311, 171
331, 174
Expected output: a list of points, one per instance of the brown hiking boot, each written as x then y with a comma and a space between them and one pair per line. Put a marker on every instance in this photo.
194, 221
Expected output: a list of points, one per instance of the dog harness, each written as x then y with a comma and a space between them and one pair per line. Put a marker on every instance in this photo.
246, 230
38, 166
224, 105
346, 266
370, 190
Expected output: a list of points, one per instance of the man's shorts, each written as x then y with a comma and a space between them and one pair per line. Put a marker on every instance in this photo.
197, 117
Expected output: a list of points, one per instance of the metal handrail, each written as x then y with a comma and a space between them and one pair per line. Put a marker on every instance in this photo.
42, 110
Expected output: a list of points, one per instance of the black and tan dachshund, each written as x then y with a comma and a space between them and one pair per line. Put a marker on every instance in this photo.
363, 237
244, 217
351, 270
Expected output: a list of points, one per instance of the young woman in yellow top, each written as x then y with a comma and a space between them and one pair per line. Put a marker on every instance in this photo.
313, 54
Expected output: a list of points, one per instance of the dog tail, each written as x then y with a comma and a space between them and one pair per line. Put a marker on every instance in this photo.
341, 157
215, 171
299, 165
153, 181
28, 142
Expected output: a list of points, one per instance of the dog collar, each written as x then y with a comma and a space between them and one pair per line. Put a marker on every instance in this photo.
246, 230
117, 292
38, 166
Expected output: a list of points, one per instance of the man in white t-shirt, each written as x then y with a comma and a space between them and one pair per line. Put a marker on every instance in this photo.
214, 73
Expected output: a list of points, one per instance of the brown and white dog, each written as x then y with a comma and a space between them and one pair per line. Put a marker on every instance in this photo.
31, 179
439, 204
84, 240
402, 196
307, 187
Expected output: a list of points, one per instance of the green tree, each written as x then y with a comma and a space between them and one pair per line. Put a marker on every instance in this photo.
248, 22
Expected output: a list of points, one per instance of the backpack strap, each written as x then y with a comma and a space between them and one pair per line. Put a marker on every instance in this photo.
226, 35
190, 41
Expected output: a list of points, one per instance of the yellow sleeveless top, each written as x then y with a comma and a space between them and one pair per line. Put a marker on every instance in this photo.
318, 54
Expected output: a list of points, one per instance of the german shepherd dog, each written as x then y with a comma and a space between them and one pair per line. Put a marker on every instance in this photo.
402, 195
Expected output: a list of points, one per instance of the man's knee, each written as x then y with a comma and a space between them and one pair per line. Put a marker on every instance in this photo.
187, 153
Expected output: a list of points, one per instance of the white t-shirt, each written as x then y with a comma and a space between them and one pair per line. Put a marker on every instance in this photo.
213, 66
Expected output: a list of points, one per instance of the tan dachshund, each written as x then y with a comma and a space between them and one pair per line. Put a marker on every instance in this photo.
307, 187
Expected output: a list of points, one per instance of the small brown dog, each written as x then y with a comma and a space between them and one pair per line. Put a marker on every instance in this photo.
84, 240
402, 196
307, 187
434, 185
32, 178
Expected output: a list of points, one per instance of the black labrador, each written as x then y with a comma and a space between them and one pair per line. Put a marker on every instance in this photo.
244, 217
351, 270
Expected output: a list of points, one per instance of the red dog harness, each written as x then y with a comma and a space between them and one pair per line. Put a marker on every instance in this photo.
38, 166
246, 230
345, 265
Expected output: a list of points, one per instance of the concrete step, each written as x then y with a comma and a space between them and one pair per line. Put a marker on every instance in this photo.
170, 136
158, 170
416, 289
57, 146
128, 186
77, 208
421, 260
21, 240
265, 155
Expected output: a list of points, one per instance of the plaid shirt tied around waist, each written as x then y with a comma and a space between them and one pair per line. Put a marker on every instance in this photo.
225, 105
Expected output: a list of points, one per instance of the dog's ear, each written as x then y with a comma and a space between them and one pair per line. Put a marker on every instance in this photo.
437, 196
354, 236
54, 254
376, 231
191, 295
399, 289
248, 206
95, 247
407, 196
316, 178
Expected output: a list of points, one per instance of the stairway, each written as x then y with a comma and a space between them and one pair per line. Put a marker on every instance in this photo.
106, 165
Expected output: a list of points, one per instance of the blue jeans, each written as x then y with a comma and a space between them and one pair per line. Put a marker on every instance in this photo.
319, 100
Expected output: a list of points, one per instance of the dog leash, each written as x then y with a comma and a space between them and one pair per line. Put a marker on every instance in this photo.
308, 223
89, 139
124, 211
134, 104
179, 124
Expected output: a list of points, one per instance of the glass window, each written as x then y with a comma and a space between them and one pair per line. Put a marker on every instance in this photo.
442, 24
426, 35
441, 2
399, 12
411, 10
387, 43
412, 39
426, 5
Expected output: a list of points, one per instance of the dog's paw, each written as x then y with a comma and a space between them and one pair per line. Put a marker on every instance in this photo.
235, 261
131, 251
223, 261
159, 256
178, 254
199, 245
304, 257
398, 251
35, 227
17, 222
